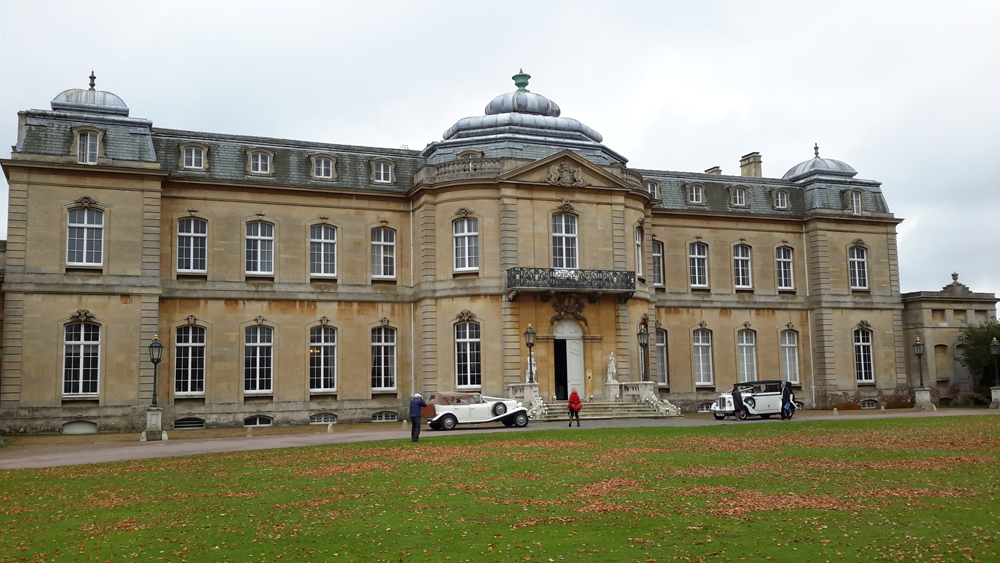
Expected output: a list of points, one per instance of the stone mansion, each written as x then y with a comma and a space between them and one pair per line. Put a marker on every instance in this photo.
293, 282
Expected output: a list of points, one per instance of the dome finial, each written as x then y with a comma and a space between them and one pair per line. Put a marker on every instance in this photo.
93, 80
816, 150
521, 81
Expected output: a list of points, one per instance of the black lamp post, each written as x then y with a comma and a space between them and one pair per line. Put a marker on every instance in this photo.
994, 349
918, 349
155, 355
643, 342
529, 341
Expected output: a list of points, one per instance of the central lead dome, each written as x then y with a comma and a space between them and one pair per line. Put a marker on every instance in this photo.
522, 101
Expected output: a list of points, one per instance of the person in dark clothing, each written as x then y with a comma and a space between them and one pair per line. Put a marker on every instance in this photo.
786, 401
737, 401
415, 405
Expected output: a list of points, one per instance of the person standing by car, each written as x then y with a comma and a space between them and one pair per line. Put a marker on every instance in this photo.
574, 407
786, 400
415, 405
737, 401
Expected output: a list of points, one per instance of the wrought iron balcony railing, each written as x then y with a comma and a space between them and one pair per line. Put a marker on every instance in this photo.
585, 281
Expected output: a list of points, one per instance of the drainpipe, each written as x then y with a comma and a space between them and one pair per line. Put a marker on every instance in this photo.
413, 351
812, 363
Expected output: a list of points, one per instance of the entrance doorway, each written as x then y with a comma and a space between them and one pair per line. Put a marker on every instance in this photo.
562, 391
568, 356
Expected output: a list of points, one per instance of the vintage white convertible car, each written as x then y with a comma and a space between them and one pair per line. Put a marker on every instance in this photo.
760, 398
446, 410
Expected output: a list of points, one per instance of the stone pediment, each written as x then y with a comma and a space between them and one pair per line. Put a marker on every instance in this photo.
568, 169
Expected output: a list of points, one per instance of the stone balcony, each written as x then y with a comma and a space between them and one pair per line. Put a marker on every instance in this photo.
549, 281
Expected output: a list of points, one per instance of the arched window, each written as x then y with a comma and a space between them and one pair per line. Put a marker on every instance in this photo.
790, 356
741, 267
856, 203
260, 248
746, 356
564, 247
863, 367
702, 356
85, 237
189, 363
783, 267
383, 358
192, 245
638, 251
858, 262
466, 242
383, 253
468, 355
323, 251
698, 264
661, 357
322, 358
81, 358
258, 347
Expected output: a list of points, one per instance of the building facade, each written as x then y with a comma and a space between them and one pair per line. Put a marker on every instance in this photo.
294, 282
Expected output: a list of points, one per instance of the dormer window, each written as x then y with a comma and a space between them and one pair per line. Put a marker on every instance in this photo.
694, 194
324, 167
780, 199
193, 157
260, 161
382, 172
87, 144
739, 197
856, 203
654, 189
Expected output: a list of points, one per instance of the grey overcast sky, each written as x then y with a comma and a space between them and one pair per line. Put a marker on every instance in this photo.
906, 92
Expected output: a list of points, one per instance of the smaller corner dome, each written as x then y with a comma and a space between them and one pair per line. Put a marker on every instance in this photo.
90, 101
522, 101
820, 166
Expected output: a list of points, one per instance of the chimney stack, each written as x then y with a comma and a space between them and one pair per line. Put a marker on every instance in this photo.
714, 170
750, 165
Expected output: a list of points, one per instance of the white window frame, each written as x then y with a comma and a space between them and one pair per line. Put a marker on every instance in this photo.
742, 267
383, 253
864, 363
384, 358
784, 267
382, 172
638, 251
189, 361
662, 368
565, 252
856, 205
790, 356
857, 258
746, 355
259, 248
658, 273
323, 168
739, 197
80, 347
90, 237
695, 194
192, 245
258, 360
702, 342
323, 251
194, 158
260, 162
322, 359
781, 199
698, 264
654, 189
468, 355
88, 147
465, 233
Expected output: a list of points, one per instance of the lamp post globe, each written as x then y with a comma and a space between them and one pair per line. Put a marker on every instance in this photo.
529, 341
918, 349
643, 342
995, 350
155, 355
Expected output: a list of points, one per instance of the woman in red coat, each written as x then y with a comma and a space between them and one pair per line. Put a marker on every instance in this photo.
574, 407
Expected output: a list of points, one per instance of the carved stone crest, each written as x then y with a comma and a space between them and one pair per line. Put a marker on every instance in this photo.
465, 316
568, 306
82, 315
564, 174
464, 212
858, 242
864, 325
86, 201
565, 205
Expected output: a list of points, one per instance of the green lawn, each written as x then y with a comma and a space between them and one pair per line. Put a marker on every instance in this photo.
873, 490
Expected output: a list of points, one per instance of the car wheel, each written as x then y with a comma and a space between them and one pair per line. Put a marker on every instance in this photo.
750, 403
508, 422
765, 416
499, 409
520, 420
744, 413
448, 423
720, 416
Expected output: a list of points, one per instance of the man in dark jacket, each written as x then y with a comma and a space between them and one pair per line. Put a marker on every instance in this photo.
415, 405
786, 400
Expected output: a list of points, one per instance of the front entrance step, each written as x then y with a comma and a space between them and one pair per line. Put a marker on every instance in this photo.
559, 411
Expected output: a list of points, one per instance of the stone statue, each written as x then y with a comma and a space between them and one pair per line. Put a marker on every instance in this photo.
612, 369
532, 368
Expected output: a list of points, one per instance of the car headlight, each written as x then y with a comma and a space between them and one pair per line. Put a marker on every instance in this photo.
519, 404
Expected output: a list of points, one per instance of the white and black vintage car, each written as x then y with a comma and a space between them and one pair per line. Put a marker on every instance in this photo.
446, 410
760, 398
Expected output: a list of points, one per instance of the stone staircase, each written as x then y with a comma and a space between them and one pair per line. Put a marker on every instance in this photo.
558, 411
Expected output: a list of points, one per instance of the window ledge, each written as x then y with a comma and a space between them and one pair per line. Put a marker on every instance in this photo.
790, 291
700, 289
465, 273
384, 392
258, 394
81, 397
195, 276
322, 393
322, 279
860, 290
866, 384
705, 386
89, 270
385, 281
260, 278
744, 290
